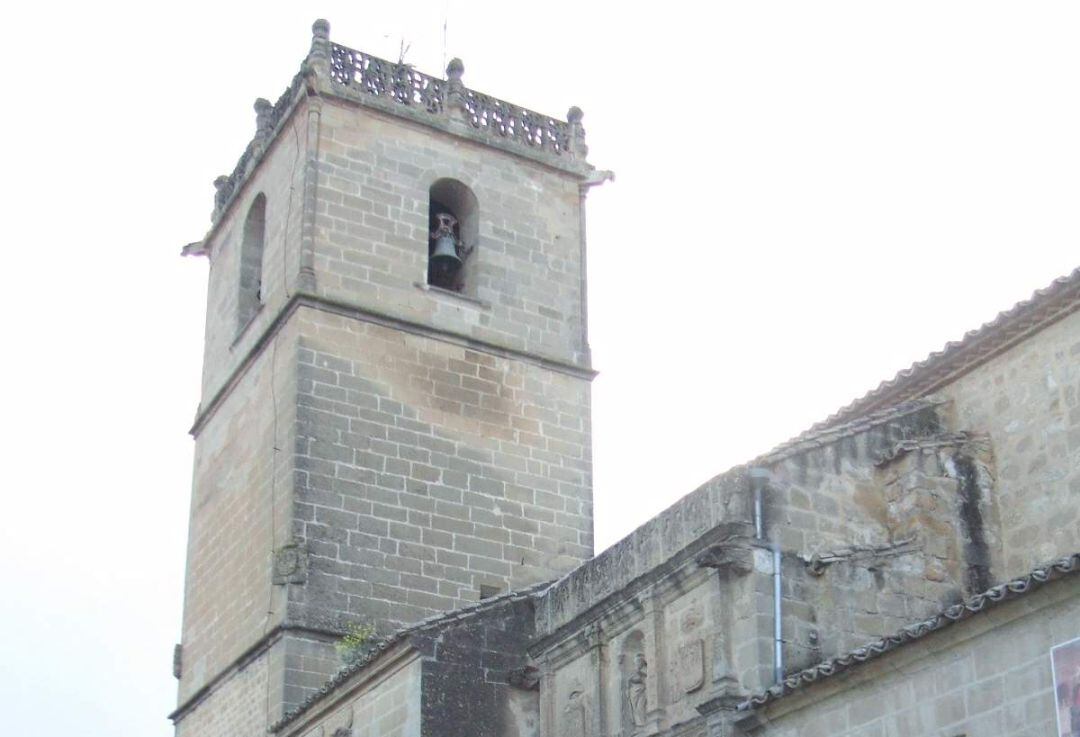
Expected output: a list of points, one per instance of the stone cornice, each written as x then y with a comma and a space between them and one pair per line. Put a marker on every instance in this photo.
325, 304
678, 569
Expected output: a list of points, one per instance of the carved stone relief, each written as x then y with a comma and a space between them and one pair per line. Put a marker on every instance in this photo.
691, 665
690, 653
290, 564
575, 716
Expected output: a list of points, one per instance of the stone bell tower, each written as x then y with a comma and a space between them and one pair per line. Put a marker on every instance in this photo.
395, 395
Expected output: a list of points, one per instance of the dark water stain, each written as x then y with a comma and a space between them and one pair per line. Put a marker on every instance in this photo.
976, 549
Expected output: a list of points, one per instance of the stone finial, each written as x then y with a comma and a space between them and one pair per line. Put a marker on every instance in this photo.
455, 69
319, 56
455, 89
221, 195
320, 29
263, 123
577, 133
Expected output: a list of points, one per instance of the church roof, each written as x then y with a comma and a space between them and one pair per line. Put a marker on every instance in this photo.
1046, 306
968, 608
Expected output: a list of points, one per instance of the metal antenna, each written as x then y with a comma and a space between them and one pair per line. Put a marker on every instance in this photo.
445, 19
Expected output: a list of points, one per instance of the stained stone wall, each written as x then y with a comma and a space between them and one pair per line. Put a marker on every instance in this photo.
240, 513
873, 539
1028, 401
402, 446
426, 470
989, 675
874, 525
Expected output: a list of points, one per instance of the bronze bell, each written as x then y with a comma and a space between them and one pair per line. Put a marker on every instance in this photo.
444, 258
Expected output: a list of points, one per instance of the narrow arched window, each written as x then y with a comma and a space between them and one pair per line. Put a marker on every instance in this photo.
453, 230
251, 258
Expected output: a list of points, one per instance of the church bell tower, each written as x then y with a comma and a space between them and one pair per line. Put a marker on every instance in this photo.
395, 394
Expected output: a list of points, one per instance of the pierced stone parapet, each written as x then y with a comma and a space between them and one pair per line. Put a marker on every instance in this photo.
397, 82
396, 87
401, 84
267, 118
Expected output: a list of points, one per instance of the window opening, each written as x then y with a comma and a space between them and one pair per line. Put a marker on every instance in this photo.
251, 258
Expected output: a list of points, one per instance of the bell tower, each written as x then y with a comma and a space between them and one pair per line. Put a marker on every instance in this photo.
395, 394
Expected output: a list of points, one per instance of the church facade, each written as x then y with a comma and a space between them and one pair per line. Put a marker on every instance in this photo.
394, 433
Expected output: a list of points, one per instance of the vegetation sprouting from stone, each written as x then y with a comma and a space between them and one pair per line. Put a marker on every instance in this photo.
359, 637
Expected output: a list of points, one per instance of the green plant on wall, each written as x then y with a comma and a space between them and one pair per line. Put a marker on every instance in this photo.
359, 637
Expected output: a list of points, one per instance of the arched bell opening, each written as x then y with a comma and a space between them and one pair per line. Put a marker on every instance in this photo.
453, 231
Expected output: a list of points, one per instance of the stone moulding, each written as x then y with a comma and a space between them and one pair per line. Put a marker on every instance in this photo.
313, 301
728, 558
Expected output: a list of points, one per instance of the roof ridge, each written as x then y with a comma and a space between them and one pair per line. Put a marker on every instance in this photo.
1012, 589
984, 342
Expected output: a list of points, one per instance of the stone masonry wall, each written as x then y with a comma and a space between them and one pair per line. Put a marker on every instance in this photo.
988, 675
883, 501
383, 704
240, 512
1028, 401
372, 233
902, 536
426, 470
234, 709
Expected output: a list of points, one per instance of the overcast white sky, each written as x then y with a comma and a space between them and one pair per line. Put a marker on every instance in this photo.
810, 197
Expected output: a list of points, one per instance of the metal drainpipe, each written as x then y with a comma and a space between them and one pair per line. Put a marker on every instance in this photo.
758, 479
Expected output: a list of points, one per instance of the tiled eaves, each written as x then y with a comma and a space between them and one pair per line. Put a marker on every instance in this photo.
384, 644
1046, 306
988, 599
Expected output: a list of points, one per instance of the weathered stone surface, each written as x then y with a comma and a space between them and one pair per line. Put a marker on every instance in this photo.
369, 449
373, 448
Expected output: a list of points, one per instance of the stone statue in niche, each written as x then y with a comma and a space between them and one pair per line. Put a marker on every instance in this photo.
574, 714
635, 690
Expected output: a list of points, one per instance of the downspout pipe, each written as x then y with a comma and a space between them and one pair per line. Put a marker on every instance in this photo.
759, 478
